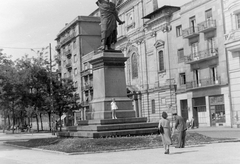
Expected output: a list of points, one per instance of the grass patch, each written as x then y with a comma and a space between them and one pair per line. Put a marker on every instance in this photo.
73, 145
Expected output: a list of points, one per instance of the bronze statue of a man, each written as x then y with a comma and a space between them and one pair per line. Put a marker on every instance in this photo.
109, 18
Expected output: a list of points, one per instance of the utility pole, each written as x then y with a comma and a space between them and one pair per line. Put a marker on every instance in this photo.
51, 94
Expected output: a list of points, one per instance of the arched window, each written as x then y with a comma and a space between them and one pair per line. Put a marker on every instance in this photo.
134, 66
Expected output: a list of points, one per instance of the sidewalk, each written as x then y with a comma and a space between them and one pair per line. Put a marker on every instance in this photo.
24, 136
198, 154
218, 132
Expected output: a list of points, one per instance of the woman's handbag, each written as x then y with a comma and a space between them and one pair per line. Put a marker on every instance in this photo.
160, 130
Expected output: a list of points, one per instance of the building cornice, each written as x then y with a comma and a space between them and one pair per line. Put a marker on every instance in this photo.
192, 5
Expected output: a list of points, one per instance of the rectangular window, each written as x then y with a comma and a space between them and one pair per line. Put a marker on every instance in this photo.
197, 82
192, 24
130, 20
238, 20
75, 71
76, 84
211, 44
75, 58
180, 55
194, 49
74, 44
153, 107
161, 61
208, 14
179, 30
182, 79
213, 74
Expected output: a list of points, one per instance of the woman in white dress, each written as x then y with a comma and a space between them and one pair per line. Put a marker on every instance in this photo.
166, 136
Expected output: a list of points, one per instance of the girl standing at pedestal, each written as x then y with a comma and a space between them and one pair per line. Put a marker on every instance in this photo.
114, 108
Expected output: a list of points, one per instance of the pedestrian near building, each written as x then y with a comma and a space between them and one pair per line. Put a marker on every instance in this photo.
181, 126
166, 136
192, 123
114, 107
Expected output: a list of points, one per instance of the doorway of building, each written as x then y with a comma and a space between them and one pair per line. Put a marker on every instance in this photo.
213, 115
195, 116
184, 109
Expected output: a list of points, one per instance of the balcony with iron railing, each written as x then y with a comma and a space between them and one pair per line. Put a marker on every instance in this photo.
190, 32
203, 83
69, 65
87, 86
67, 53
201, 56
207, 26
86, 72
65, 40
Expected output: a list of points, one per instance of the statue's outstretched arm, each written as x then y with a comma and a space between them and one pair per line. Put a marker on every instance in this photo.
117, 18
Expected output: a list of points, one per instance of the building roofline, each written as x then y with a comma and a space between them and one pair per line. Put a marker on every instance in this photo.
78, 19
159, 10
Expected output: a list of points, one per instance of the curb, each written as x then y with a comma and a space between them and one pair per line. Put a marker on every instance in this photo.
111, 151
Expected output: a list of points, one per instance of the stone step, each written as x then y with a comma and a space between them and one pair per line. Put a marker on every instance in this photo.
111, 127
113, 121
92, 134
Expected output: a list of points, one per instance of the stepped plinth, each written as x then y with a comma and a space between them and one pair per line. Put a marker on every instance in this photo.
110, 127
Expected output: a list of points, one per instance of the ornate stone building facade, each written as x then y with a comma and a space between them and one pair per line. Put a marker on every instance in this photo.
177, 60
232, 43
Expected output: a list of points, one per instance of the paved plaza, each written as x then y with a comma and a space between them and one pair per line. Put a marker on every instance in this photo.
217, 153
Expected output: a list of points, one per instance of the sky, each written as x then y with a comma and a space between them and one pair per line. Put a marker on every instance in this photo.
27, 26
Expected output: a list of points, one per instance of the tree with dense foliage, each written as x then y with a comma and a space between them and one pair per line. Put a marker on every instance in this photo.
65, 100
28, 89
10, 87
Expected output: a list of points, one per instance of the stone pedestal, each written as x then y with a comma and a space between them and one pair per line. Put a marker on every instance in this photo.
109, 82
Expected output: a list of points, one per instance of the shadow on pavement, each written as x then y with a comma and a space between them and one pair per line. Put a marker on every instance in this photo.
184, 152
191, 146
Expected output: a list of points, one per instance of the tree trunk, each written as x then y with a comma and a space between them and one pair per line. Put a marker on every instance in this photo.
37, 121
60, 124
13, 117
41, 121
49, 121
5, 123
9, 123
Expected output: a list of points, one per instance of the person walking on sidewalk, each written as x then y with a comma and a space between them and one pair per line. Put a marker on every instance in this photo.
114, 107
166, 136
181, 126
